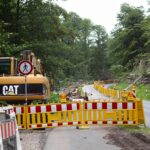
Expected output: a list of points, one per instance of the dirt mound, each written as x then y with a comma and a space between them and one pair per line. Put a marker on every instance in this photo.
127, 140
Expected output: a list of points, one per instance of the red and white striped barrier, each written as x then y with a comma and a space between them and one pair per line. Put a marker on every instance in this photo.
8, 129
110, 122
110, 105
19, 110
54, 124
53, 108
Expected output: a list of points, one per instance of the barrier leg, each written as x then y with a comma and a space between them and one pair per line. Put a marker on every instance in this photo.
83, 126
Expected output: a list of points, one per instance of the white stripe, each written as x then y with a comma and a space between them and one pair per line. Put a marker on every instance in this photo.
65, 123
64, 107
99, 122
119, 105
53, 108
109, 105
10, 129
130, 122
99, 105
89, 122
19, 127
130, 105
14, 128
32, 109
109, 122
34, 126
74, 106
18, 110
44, 125
55, 124
43, 108
75, 123
89, 105
119, 122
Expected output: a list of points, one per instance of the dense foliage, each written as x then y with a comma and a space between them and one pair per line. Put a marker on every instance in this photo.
69, 46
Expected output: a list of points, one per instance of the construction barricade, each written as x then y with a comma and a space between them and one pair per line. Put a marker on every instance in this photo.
53, 115
110, 113
113, 93
21, 112
80, 114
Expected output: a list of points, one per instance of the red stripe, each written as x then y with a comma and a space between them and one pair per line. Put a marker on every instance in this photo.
104, 105
48, 108
104, 122
94, 105
39, 125
85, 106
70, 123
29, 126
29, 111
133, 105
15, 110
60, 123
78, 106
125, 122
94, 122
38, 109
86, 122
114, 105
58, 107
22, 110
69, 106
124, 105
114, 122
79, 122
49, 124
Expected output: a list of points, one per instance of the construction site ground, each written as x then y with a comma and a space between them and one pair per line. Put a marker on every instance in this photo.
97, 138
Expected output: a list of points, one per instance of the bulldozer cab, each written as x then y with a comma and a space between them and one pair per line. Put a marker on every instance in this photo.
8, 66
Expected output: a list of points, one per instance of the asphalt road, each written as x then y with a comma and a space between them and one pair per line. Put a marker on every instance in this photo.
146, 105
92, 93
70, 138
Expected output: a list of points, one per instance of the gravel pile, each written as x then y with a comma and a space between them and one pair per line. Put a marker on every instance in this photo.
33, 139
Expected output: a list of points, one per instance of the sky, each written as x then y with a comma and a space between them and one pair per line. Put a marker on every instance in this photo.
100, 12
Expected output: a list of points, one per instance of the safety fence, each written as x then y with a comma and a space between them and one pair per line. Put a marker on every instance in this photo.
78, 114
113, 93
9, 135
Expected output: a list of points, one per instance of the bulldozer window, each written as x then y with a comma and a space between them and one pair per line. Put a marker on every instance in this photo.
4, 67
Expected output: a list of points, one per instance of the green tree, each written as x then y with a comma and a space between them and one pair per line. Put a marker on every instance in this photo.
127, 40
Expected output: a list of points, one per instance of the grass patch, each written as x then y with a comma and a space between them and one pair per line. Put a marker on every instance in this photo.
81, 91
121, 86
136, 129
143, 91
54, 98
